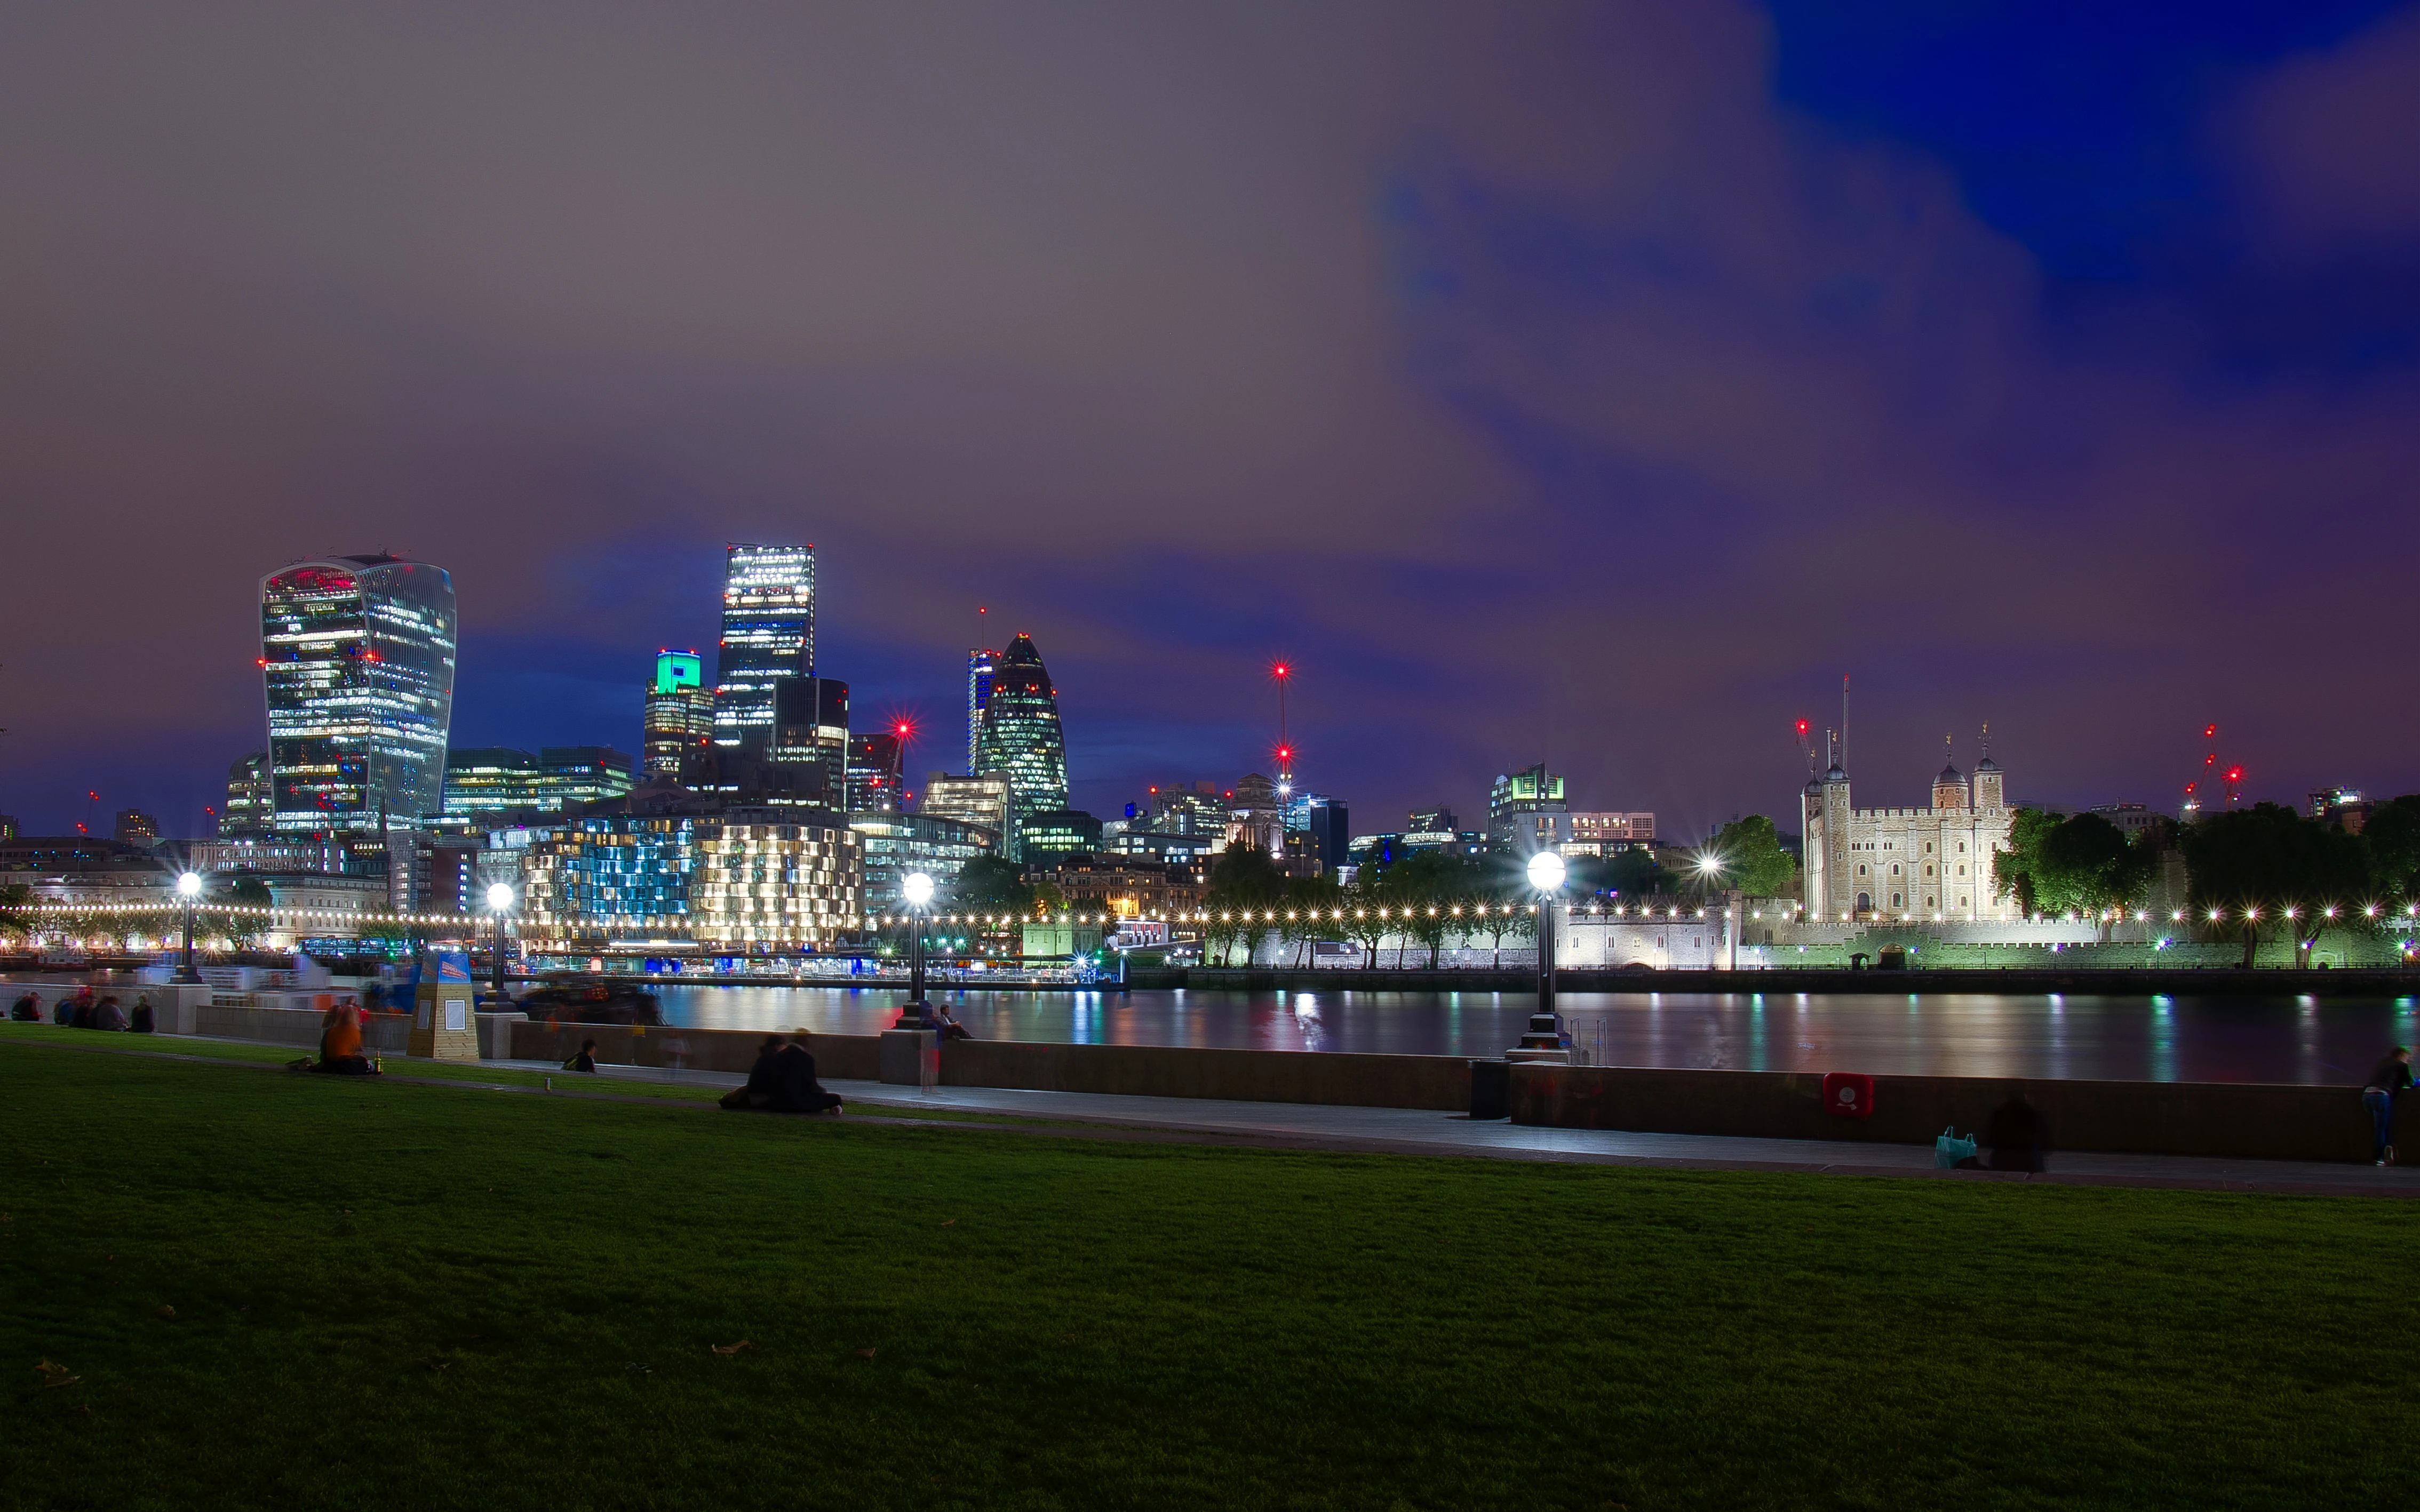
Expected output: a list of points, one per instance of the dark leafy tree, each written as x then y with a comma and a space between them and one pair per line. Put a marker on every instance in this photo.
1746, 854
2269, 865
2392, 838
1244, 885
990, 884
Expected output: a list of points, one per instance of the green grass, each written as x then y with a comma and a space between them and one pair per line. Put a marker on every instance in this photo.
389, 1294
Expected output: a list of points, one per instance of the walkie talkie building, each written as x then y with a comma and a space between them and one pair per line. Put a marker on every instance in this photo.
357, 662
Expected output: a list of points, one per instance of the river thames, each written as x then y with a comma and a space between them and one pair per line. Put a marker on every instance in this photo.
2286, 1038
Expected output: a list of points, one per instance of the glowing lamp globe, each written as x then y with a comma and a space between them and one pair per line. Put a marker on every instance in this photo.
1546, 871
189, 886
500, 896
917, 889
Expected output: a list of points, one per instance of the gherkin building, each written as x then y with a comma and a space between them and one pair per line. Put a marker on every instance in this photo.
1020, 734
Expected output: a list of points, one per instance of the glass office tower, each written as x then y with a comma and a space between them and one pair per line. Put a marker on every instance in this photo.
875, 781
981, 666
357, 659
811, 731
679, 717
1020, 737
768, 633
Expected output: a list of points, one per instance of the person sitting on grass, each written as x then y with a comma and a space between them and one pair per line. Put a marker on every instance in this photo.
758, 1089
585, 1060
144, 1022
340, 1044
794, 1087
106, 1014
80, 1014
28, 1009
2019, 1135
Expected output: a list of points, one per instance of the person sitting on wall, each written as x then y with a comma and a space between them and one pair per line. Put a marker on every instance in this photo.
759, 1088
585, 1060
106, 1014
28, 1009
946, 1027
2392, 1078
340, 1044
144, 1020
794, 1087
2018, 1135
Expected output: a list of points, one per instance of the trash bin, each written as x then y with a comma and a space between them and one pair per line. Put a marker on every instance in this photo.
1491, 1089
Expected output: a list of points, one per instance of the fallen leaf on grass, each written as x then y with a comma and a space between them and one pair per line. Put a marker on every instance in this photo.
57, 1375
949, 1223
865, 1354
728, 1349
635, 1369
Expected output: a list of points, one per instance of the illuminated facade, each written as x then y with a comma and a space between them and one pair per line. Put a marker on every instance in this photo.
498, 780
1525, 812
897, 843
1930, 863
981, 668
768, 633
874, 779
1608, 832
679, 717
1051, 835
983, 801
731, 879
1020, 737
246, 811
357, 659
811, 732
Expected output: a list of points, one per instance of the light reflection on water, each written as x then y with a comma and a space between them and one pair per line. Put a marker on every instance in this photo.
2329, 1041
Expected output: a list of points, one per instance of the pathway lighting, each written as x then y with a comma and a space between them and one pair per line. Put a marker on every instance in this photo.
188, 888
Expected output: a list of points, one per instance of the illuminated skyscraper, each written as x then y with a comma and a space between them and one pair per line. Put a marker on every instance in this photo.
357, 657
679, 713
980, 667
1020, 737
246, 811
769, 632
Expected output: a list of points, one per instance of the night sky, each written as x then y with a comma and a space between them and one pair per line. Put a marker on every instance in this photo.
1594, 383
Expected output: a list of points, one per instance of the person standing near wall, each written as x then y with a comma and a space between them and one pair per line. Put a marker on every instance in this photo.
2393, 1075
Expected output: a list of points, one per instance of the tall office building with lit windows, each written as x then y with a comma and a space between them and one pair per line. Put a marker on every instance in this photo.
357, 661
1021, 738
874, 782
811, 731
981, 668
768, 633
679, 713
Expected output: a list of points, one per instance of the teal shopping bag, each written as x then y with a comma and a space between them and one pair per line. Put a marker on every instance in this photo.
1950, 1149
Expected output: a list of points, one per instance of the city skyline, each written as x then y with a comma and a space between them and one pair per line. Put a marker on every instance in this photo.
1517, 368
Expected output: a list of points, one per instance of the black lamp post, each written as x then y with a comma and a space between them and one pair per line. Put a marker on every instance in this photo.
500, 903
1547, 877
189, 886
917, 889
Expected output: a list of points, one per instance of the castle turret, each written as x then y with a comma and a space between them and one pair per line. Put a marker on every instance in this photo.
1949, 788
1988, 791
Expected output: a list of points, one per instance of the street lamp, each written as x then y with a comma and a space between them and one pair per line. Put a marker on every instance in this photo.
500, 903
918, 889
189, 886
1546, 880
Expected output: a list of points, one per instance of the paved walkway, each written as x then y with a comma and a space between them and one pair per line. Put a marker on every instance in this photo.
1419, 1132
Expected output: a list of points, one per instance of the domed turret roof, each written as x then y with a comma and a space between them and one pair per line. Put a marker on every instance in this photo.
1949, 774
1987, 765
1836, 775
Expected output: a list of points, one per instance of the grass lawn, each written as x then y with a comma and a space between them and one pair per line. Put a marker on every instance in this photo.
389, 1294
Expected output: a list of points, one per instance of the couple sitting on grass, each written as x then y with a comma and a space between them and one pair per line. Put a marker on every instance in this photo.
783, 1081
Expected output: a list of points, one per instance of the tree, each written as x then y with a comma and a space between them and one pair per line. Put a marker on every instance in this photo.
989, 885
2268, 863
1244, 884
2392, 838
2015, 871
248, 892
1309, 901
16, 908
1426, 888
1747, 856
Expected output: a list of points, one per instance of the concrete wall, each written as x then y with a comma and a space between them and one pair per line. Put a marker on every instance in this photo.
2260, 1122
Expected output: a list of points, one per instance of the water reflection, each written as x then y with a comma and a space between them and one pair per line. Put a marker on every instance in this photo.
1961, 1034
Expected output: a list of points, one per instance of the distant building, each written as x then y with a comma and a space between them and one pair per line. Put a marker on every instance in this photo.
1151, 845
2133, 818
1188, 808
136, 827
1131, 887
1608, 832
678, 720
1433, 821
1020, 735
1323, 824
357, 661
982, 801
83, 869
811, 731
246, 811
8, 827
2342, 807
1256, 816
1525, 812
1046, 838
872, 779
896, 845
1925, 863
982, 667
489, 780
768, 633
747, 879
